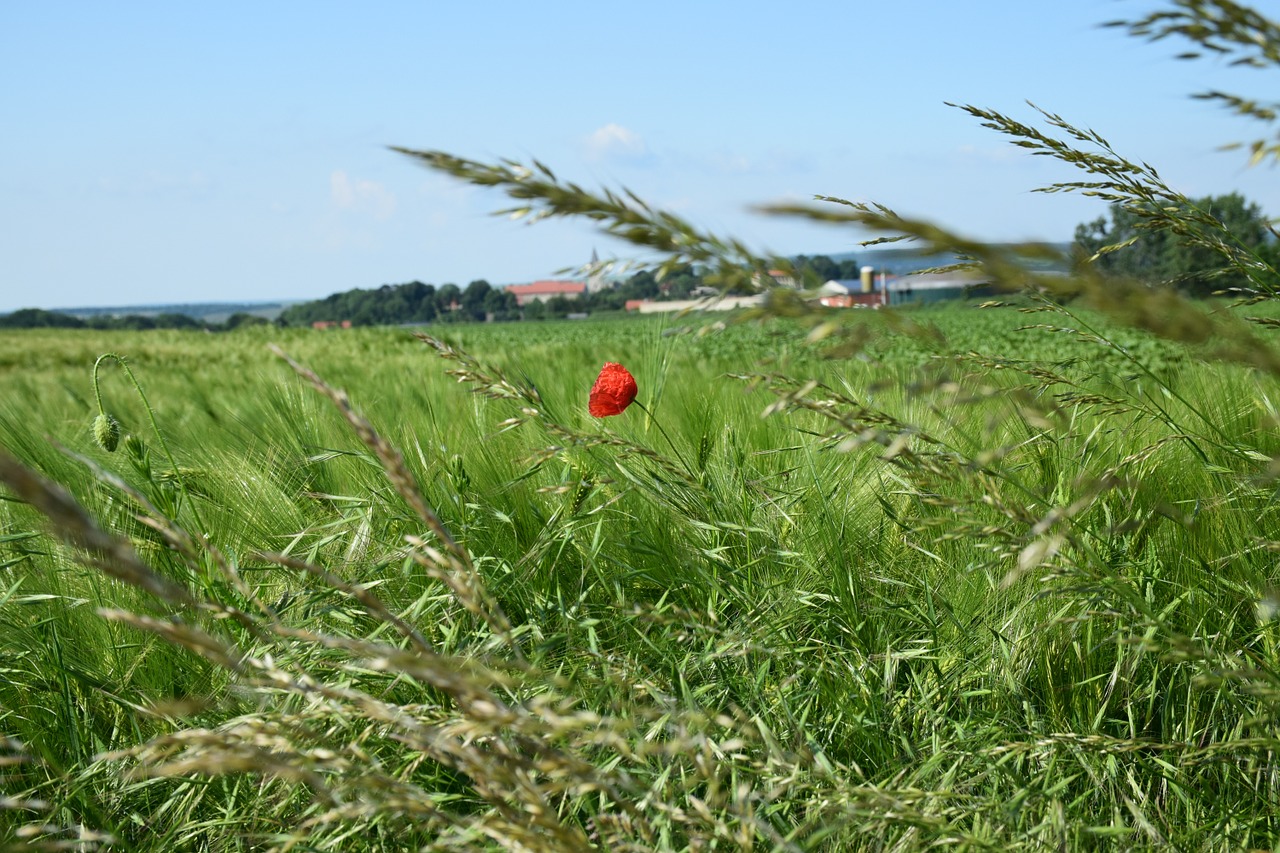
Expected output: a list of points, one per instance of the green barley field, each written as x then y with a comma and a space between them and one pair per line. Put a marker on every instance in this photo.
975, 578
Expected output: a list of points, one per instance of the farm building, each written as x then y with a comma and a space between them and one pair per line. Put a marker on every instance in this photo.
541, 291
935, 287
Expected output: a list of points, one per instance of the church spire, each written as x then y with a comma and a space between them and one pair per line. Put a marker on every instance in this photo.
595, 278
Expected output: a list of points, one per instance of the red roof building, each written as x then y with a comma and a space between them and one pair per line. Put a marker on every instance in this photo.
541, 291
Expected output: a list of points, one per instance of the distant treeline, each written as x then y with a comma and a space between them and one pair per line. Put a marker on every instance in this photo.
415, 302
38, 318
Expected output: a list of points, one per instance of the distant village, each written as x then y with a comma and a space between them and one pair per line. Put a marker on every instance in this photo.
873, 289
574, 299
834, 284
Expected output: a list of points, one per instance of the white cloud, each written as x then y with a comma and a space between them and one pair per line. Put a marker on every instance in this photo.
615, 142
360, 196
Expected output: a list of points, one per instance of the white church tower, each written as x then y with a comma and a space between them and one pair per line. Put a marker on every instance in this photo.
595, 278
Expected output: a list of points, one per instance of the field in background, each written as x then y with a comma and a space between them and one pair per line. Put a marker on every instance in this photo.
971, 583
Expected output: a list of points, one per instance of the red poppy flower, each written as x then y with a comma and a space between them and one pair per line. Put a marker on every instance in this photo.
614, 390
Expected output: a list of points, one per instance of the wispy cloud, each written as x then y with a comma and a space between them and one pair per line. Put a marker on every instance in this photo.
618, 143
361, 196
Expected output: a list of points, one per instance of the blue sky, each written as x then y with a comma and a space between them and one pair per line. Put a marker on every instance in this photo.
185, 152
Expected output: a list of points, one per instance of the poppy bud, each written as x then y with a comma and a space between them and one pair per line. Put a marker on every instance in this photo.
106, 432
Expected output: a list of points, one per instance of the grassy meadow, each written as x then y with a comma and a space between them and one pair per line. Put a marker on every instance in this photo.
977, 578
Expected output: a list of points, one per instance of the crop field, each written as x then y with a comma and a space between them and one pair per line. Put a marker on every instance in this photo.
984, 578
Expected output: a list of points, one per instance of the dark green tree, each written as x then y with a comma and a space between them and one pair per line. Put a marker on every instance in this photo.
473, 299
421, 299
822, 267
1127, 245
38, 318
559, 306
535, 310
501, 305
848, 269
680, 282
446, 297
642, 285
240, 318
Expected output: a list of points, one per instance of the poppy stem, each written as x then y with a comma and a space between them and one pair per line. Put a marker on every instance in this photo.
658, 424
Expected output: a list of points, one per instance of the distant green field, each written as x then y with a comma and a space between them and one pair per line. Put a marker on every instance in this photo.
967, 583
